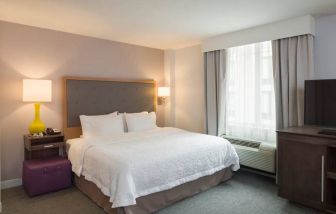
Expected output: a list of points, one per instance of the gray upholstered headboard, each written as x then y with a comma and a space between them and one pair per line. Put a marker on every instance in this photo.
95, 96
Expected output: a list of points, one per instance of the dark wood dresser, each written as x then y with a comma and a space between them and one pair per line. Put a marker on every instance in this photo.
307, 167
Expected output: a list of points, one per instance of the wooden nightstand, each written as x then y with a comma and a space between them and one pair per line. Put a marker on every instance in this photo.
43, 147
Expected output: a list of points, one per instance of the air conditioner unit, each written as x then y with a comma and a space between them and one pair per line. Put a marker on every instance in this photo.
254, 154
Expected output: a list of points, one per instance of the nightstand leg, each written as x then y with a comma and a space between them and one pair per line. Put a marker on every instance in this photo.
27, 155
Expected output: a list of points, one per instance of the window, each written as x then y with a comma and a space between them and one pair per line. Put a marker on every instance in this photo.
250, 102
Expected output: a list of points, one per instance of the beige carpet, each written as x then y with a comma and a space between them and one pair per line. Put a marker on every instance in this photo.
245, 193
66, 201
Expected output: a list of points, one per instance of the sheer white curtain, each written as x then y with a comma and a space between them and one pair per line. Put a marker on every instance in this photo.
250, 101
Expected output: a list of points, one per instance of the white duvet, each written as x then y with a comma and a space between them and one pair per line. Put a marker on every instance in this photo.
136, 164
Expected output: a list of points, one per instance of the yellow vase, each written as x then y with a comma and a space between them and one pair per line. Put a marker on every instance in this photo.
37, 125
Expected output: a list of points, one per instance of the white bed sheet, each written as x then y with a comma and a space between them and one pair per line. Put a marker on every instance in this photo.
136, 164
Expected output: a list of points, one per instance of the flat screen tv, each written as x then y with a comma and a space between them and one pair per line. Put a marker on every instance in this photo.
320, 103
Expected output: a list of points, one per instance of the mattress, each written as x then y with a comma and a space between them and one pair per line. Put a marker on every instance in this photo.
138, 164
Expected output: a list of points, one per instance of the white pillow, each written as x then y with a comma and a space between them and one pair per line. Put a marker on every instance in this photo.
140, 122
124, 117
102, 125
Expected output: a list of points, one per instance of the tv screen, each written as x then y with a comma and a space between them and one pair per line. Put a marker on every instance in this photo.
320, 102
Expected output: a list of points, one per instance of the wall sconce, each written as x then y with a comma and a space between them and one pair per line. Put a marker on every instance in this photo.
163, 93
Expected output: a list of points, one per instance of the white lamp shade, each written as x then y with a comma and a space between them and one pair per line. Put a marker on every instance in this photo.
36, 90
163, 91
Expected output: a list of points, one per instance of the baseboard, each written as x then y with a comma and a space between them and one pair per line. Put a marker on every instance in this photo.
257, 171
11, 183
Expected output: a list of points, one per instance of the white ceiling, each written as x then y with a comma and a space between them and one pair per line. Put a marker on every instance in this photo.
164, 24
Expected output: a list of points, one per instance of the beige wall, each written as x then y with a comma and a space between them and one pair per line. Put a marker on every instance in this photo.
169, 72
29, 52
325, 47
187, 79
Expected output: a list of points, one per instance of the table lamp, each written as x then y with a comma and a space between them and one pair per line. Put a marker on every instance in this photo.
36, 91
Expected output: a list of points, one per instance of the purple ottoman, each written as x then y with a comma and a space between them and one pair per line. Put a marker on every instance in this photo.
46, 175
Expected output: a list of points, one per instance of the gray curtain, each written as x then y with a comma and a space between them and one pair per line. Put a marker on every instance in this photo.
215, 78
292, 65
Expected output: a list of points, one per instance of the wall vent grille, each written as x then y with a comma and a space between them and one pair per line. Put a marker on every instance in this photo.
257, 155
251, 144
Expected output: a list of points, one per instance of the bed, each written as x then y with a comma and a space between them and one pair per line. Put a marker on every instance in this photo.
141, 171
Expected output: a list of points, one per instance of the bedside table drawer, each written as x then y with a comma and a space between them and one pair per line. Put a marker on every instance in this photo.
43, 146
46, 146
46, 140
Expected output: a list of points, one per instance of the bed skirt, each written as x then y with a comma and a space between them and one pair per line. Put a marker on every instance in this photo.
155, 201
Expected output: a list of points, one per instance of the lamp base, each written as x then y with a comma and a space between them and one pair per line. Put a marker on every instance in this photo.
37, 126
